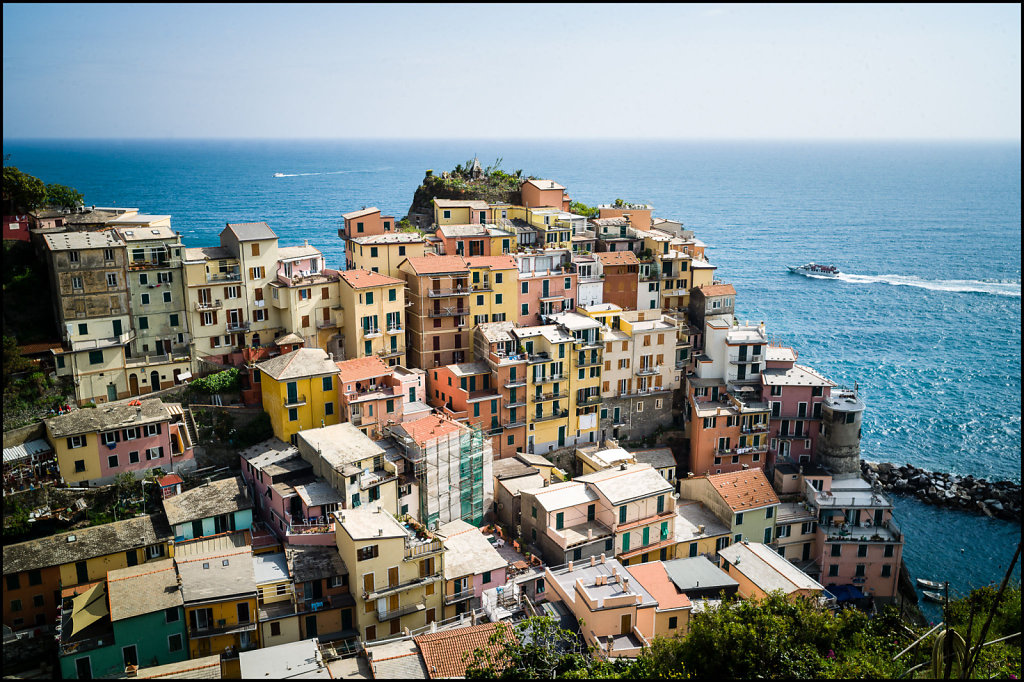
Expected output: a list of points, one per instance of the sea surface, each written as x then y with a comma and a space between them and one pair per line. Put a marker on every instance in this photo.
925, 320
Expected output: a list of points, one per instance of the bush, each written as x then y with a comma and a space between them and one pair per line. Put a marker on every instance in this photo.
221, 382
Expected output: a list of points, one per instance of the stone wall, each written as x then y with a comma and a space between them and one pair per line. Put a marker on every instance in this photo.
999, 499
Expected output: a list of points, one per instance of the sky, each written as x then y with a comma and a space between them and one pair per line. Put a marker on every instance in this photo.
945, 72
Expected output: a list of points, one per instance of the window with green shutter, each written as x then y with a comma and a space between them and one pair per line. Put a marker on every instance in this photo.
625, 542
622, 514
559, 520
661, 503
647, 536
392, 294
664, 530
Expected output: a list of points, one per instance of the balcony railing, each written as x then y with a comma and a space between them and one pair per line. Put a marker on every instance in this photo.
383, 616
521, 421
421, 549
390, 352
648, 370
449, 312
225, 629
518, 402
588, 362
554, 415
515, 382
554, 395
547, 379
450, 599
371, 333
400, 587
754, 428
589, 400
120, 340
293, 401
538, 357
395, 329
375, 478
737, 360
454, 291
209, 305
324, 324
229, 276
237, 326
650, 390
482, 286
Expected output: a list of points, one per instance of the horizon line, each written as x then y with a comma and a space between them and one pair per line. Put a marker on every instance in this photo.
513, 139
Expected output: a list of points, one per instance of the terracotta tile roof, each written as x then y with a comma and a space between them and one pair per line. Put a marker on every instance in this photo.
655, 580
360, 369
617, 258
748, 489
447, 654
718, 290
430, 427
360, 279
492, 262
433, 264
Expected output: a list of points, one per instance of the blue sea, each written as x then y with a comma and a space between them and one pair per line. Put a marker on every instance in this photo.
926, 320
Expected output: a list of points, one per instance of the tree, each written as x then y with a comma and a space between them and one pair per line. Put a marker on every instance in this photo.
21, 192
579, 208
62, 196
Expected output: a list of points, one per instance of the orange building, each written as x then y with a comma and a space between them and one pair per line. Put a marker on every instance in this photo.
621, 278
537, 193
372, 395
638, 215
437, 290
365, 223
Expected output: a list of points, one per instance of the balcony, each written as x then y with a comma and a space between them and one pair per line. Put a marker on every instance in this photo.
562, 414
749, 450
390, 352
515, 382
649, 390
293, 401
377, 477
209, 305
554, 395
582, 533
518, 402
237, 326
450, 599
754, 428
588, 362
482, 287
384, 616
372, 332
533, 358
229, 276
888, 532
589, 400
401, 587
107, 342
144, 264
545, 379
648, 370
325, 324
455, 291
225, 629
448, 312
324, 603
737, 360
395, 329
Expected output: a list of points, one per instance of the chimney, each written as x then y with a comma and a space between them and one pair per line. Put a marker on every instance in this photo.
330, 356
380, 532
569, 566
590, 534
602, 557
625, 584
700, 528
405, 631
746, 466
593, 560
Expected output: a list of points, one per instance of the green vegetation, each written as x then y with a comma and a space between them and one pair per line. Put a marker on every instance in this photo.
62, 196
256, 431
492, 185
27, 312
221, 382
773, 638
29, 394
579, 208
21, 191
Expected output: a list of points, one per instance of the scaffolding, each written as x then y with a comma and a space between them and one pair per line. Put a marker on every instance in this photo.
453, 473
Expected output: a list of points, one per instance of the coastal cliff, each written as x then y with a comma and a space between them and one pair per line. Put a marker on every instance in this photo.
470, 182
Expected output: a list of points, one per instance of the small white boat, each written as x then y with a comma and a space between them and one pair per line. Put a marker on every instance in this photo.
930, 584
815, 270
279, 175
933, 596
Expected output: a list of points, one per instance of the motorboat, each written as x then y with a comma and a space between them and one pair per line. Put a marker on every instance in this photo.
815, 270
930, 584
933, 596
279, 175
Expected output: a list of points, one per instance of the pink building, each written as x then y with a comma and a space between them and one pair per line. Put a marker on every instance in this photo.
289, 499
471, 565
372, 395
795, 394
546, 284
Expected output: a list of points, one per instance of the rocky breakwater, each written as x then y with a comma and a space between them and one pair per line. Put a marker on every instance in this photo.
999, 499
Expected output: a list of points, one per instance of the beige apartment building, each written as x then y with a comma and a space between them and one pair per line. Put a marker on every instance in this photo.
374, 312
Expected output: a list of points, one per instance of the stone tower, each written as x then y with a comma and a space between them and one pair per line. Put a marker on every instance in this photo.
839, 444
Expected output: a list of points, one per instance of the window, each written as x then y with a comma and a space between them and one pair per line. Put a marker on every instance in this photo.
275, 629
769, 512
133, 457
833, 571
76, 283
559, 520
540, 585
15, 605
95, 357
622, 514
35, 577
12, 581
888, 551
329, 408
79, 466
293, 414
111, 279
112, 461
143, 323
365, 553
533, 512
328, 383
447, 214
152, 429
155, 453
836, 550
862, 550
672, 622
487, 577
859, 573
172, 615
767, 535
73, 256
739, 519
526, 287
886, 570
174, 643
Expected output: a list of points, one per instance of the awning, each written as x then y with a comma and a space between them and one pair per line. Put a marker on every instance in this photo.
89, 607
185, 376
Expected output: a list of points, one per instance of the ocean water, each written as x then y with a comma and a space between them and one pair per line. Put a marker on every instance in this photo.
926, 319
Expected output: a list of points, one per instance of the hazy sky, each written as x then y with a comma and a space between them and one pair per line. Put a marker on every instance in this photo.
512, 71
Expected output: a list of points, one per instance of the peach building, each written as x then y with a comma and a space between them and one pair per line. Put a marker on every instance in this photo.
760, 570
495, 344
373, 310
638, 215
365, 223
466, 392
372, 395
475, 240
547, 284
537, 193
437, 289
621, 271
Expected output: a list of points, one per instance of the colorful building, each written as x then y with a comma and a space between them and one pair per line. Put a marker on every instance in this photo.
796, 395
743, 499
383, 253
536, 192
374, 316
299, 391
547, 285
438, 316
621, 270
366, 222
323, 597
493, 285
373, 395
760, 570
95, 445
211, 509
471, 566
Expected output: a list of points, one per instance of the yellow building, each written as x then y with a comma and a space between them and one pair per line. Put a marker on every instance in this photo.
396, 571
383, 253
549, 398
218, 586
300, 391
305, 295
494, 289
277, 616
374, 316
460, 211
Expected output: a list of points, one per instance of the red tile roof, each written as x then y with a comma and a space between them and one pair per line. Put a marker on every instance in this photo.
447, 654
617, 258
361, 369
430, 427
433, 264
747, 489
653, 578
717, 290
360, 279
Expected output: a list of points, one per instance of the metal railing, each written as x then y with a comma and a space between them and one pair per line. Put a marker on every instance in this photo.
450, 599
424, 549
209, 305
518, 402
323, 324
554, 415
390, 352
544, 397
454, 291
515, 382
289, 401
589, 400
238, 326
399, 612
448, 312
371, 333
515, 424
648, 370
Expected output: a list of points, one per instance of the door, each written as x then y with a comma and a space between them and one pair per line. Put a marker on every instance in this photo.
346, 619
625, 625
784, 449
561, 436
393, 576
368, 583
130, 655
133, 384
807, 551
154, 380
83, 666
293, 393
412, 394
82, 572
111, 392
197, 529
117, 327
132, 557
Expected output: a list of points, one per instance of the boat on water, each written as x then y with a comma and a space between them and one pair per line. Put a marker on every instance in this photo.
815, 270
932, 596
930, 584
279, 175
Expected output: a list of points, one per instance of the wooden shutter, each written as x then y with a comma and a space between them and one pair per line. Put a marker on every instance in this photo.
325, 293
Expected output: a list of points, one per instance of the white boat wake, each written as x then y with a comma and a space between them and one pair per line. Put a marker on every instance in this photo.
953, 285
296, 175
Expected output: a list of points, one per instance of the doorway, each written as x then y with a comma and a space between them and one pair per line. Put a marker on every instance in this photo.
133, 384
154, 380
111, 393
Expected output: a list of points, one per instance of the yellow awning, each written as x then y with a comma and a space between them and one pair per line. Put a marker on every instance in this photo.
92, 608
